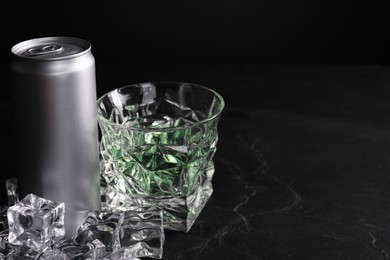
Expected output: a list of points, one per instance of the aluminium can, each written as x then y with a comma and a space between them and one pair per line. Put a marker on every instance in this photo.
56, 124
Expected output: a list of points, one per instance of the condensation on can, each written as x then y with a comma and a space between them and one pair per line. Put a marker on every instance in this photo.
57, 133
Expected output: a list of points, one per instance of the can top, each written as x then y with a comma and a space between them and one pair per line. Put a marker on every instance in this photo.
51, 48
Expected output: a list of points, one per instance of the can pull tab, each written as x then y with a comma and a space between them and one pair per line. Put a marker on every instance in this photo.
43, 50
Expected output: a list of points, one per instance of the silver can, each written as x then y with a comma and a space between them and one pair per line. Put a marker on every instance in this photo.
55, 113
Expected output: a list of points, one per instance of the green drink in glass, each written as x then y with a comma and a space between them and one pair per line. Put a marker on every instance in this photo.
157, 147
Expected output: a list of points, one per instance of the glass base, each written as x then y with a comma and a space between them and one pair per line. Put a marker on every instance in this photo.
179, 212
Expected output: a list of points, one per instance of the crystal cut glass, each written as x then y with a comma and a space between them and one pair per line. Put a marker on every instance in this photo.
157, 146
36, 222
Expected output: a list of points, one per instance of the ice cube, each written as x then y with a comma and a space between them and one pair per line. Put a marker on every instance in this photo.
68, 249
121, 254
9, 251
101, 226
3, 239
141, 233
54, 254
11, 186
21, 253
96, 250
4, 248
3, 218
36, 222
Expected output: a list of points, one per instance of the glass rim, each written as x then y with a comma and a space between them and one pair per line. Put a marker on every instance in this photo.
167, 129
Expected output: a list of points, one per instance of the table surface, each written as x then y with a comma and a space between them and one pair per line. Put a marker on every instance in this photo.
302, 166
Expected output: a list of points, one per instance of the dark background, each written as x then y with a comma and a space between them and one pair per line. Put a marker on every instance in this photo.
181, 33
209, 31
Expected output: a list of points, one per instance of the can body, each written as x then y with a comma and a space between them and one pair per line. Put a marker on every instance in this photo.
55, 104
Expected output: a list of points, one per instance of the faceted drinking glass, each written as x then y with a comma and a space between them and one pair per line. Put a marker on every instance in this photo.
157, 146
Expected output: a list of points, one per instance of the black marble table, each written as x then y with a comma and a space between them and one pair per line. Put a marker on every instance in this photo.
302, 166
